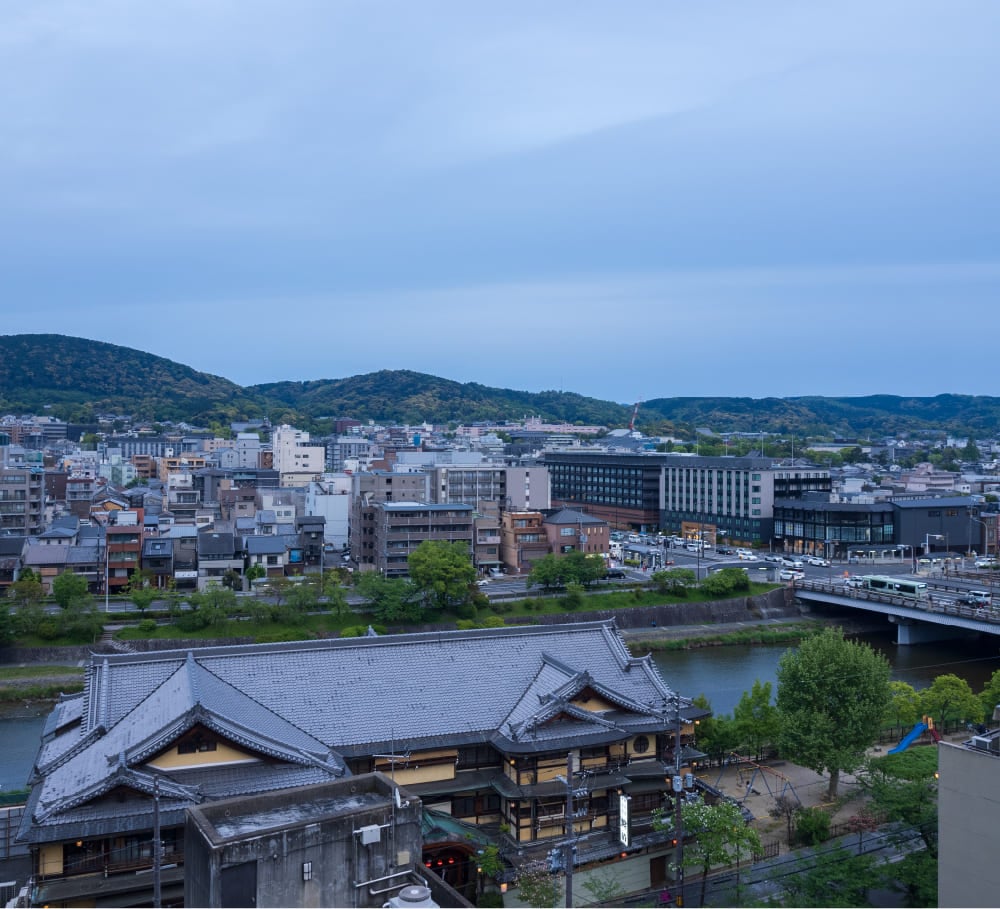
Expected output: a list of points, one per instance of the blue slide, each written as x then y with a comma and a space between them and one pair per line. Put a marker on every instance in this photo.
911, 737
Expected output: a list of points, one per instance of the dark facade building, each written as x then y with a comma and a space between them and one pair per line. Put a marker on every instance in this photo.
712, 497
903, 526
624, 490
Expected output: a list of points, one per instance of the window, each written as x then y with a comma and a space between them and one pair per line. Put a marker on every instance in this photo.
567, 531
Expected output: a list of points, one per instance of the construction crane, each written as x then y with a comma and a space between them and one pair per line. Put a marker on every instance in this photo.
635, 413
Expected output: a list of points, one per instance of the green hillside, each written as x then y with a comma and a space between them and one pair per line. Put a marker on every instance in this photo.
75, 379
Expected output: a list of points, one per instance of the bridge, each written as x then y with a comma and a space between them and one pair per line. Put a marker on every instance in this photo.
917, 621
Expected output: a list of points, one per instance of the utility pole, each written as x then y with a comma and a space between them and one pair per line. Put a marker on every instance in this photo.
678, 787
569, 829
157, 844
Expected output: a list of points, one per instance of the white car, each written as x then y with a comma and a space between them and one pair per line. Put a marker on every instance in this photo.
772, 558
818, 562
792, 563
790, 574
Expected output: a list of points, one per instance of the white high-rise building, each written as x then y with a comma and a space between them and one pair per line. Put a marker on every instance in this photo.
297, 462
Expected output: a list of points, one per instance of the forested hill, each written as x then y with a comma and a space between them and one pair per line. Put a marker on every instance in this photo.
75, 379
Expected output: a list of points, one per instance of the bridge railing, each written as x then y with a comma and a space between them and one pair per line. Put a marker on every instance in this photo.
934, 602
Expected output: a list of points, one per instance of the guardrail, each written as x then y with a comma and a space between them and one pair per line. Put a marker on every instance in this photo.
934, 603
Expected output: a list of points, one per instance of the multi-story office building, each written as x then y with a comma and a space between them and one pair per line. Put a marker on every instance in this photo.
715, 497
732, 498
624, 490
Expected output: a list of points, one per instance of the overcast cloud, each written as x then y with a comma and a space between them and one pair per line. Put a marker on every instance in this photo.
625, 200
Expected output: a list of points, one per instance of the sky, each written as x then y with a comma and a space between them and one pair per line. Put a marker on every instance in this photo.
624, 200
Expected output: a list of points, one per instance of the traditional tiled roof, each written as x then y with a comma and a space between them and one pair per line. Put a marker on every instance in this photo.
301, 704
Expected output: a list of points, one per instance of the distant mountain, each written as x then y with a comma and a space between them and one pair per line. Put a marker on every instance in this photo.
75, 379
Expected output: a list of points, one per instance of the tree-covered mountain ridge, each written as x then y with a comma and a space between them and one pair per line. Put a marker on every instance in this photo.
76, 379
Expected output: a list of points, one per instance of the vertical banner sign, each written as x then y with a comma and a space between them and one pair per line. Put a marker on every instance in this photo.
623, 818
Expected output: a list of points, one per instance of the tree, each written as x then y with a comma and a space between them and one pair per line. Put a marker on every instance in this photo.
604, 886
716, 733
547, 572
140, 590
583, 569
903, 787
756, 718
537, 886
989, 697
718, 835
903, 708
7, 626
832, 695
836, 878
674, 580
726, 581
442, 572
69, 588
389, 599
26, 589
950, 698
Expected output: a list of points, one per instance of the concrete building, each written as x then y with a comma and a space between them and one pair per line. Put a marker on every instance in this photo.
22, 500
968, 808
297, 461
369, 489
719, 497
400, 527
330, 498
354, 842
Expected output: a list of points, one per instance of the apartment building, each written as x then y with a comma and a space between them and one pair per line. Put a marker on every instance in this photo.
297, 461
400, 527
22, 500
371, 488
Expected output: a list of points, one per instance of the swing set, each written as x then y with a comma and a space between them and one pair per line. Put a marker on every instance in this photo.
743, 763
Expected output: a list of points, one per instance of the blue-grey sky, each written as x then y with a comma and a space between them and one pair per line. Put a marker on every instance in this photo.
625, 200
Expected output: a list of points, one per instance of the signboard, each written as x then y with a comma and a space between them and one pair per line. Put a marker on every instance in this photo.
623, 818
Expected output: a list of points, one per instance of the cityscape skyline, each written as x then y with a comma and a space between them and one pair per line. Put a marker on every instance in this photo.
766, 201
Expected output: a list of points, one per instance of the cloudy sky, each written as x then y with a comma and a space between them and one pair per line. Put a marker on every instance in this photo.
626, 200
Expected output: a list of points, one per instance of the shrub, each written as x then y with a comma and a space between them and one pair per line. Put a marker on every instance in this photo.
465, 624
812, 826
490, 899
147, 626
466, 611
47, 630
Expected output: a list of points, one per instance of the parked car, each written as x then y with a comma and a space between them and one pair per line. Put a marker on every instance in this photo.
791, 574
818, 562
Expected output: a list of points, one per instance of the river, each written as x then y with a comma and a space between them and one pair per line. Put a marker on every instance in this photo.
722, 674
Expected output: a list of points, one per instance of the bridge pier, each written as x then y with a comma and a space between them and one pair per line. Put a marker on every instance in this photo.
912, 631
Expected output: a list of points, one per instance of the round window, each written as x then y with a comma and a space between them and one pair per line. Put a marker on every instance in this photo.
640, 745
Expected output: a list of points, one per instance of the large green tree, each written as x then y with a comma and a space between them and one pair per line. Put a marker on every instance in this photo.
443, 572
389, 599
990, 696
756, 719
950, 698
832, 696
69, 588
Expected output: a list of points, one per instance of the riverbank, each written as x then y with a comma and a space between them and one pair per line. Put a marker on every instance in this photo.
773, 630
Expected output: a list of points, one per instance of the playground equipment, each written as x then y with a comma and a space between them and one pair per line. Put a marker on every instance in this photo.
926, 724
760, 771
